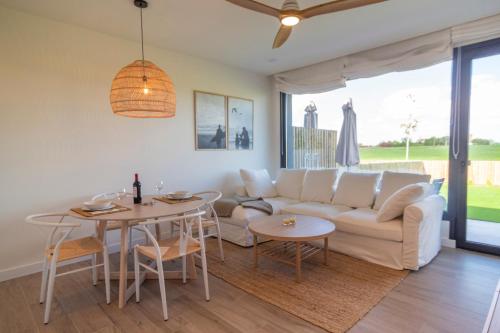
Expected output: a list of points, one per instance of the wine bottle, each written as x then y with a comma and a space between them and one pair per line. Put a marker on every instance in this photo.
137, 190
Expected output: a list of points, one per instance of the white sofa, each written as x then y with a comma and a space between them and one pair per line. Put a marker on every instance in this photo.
408, 241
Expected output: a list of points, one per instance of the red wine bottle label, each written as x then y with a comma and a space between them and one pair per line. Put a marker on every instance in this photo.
135, 192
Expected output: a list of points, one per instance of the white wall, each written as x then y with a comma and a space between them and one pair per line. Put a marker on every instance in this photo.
60, 143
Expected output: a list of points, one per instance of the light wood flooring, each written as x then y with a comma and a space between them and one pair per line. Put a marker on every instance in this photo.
452, 294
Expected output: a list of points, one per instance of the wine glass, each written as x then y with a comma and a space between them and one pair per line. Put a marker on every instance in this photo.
122, 194
159, 187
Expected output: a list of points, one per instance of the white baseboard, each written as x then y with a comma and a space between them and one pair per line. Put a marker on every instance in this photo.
36, 267
446, 242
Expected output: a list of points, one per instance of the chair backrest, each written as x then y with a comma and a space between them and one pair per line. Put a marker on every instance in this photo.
40, 220
56, 222
209, 196
185, 230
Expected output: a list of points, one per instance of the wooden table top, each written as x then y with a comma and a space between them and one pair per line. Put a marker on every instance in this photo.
305, 228
143, 212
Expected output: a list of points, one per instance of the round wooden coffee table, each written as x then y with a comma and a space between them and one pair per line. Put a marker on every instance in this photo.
293, 247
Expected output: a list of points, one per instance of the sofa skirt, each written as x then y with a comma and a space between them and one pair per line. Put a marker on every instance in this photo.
378, 251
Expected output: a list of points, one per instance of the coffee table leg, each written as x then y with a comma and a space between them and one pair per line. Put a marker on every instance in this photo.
255, 252
326, 250
298, 262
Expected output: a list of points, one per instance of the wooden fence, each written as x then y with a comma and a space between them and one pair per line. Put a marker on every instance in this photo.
313, 148
478, 173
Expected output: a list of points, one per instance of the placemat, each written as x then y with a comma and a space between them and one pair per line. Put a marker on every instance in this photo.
176, 201
116, 209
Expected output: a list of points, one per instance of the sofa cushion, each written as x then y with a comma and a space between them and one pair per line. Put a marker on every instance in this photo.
393, 181
356, 190
395, 205
279, 203
258, 183
363, 222
289, 183
318, 185
317, 209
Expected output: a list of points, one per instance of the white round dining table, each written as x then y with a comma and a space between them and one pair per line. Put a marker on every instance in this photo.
138, 212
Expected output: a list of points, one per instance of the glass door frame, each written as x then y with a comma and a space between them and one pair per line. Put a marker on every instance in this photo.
459, 143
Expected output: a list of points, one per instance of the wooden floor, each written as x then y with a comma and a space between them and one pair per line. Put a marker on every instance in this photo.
452, 294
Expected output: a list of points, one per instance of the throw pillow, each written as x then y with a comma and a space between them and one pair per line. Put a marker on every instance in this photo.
393, 181
318, 185
356, 190
258, 183
289, 183
395, 205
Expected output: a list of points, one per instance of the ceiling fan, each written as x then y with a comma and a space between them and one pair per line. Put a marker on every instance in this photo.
290, 14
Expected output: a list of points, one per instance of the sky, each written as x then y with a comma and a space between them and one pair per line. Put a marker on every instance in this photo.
383, 103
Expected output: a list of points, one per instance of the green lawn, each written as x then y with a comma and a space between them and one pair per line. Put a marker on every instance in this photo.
477, 153
482, 202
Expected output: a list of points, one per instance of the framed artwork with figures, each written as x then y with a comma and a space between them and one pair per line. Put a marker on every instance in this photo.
240, 123
210, 121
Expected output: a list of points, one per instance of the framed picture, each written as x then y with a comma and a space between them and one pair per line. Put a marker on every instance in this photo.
240, 123
210, 121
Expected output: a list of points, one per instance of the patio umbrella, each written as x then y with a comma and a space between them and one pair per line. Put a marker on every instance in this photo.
347, 153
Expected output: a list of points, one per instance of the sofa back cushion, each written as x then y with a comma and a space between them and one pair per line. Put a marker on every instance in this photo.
395, 205
318, 185
393, 181
289, 183
258, 183
356, 190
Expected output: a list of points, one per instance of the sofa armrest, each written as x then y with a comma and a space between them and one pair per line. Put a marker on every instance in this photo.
422, 231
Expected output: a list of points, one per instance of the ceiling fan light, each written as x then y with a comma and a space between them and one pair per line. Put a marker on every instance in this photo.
290, 21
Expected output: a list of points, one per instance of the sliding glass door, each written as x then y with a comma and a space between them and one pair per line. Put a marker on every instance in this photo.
475, 147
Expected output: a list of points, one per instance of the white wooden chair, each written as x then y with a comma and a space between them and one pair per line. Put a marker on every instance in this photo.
210, 220
63, 249
170, 249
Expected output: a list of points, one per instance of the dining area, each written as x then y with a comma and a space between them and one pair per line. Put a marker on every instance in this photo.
170, 241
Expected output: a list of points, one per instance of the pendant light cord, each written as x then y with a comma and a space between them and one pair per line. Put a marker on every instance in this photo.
142, 50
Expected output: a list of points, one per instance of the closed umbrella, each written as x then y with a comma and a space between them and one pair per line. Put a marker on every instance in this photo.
347, 153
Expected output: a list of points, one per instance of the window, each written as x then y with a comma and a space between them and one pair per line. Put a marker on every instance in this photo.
403, 123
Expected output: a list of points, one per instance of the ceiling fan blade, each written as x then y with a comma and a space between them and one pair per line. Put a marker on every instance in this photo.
282, 36
335, 6
256, 6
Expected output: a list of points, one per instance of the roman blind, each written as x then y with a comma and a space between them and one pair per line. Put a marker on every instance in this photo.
410, 54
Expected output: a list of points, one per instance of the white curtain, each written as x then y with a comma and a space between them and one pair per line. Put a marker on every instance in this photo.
476, 31
414, 53
317, 78
407, 55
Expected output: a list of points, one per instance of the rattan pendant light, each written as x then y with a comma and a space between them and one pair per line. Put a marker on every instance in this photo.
142, 89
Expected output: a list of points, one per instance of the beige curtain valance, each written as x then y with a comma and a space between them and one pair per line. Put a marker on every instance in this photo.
476, 31
317, 78
406, 55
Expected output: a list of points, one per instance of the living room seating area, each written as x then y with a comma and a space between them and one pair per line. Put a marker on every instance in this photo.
245, 166
395, 222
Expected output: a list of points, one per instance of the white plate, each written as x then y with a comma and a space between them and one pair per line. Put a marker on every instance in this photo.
179, 195
98, 204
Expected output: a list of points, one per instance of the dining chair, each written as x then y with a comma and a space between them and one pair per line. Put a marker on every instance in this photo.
63, 249
209, 220
116, 225
170, 249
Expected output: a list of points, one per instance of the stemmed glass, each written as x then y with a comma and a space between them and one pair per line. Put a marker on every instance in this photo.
122, 194
159, 187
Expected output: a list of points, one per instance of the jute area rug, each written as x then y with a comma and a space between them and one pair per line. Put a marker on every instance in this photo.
333, 297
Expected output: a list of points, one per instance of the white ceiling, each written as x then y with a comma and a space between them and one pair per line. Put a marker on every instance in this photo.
221, 31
